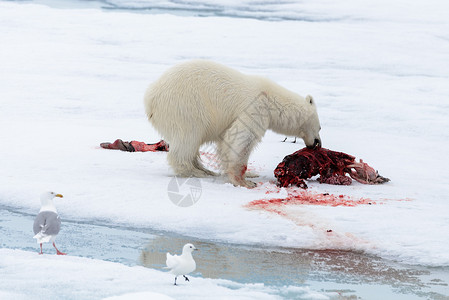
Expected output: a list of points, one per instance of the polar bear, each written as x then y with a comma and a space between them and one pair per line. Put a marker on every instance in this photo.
200, 101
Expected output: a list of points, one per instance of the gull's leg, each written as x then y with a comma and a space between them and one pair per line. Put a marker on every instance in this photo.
57, 251
41, 249
175, 279
187, 279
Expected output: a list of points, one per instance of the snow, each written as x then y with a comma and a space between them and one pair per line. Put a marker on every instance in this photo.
322, 10
140, 296
73, 78
25, 275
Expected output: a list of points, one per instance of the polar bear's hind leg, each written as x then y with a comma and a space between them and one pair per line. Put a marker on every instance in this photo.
184, 160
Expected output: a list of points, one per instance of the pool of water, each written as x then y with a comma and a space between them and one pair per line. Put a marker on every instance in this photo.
352, 274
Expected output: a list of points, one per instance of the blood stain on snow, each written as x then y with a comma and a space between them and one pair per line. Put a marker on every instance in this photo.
306, 197
327, 236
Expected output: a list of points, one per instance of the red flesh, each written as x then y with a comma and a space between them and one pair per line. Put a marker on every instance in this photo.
332, 167
136, 146
142, 147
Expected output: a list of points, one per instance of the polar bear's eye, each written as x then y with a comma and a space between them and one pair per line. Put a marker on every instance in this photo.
311, 101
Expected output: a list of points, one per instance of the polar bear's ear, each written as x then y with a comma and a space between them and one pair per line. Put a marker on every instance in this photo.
309, 99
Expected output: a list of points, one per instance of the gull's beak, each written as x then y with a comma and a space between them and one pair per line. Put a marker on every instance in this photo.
196, 249
59, 195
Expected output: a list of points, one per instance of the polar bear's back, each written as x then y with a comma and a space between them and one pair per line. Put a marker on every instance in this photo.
198, 96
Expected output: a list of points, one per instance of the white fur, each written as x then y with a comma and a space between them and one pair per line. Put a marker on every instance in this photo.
201, 101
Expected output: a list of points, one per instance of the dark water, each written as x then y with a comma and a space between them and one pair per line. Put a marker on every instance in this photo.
354, 275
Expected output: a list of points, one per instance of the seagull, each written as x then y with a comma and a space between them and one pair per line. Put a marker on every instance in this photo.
182, 264
47, 223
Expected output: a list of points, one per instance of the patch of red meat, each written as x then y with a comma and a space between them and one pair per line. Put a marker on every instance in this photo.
134, 146
143, 147
332, 166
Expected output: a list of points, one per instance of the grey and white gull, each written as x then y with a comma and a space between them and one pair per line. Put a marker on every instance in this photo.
47, 223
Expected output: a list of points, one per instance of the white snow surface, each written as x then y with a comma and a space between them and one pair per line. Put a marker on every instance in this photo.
72, 78
321, 10
140, 296
25, 275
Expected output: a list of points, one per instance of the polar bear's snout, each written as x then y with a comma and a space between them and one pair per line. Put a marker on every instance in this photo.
316, 144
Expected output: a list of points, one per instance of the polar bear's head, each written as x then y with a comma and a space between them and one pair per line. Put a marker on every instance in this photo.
310, 129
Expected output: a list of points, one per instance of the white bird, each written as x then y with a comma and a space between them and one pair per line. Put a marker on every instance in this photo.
182, 264
47, 223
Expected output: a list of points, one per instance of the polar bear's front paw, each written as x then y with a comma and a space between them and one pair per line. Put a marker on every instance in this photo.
238, 178
249, 184
244, 183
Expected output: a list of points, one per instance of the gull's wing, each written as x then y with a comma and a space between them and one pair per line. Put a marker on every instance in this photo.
47, 223
172, 261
